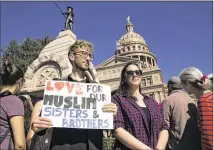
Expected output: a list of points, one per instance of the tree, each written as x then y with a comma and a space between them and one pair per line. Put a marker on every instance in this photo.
25, 53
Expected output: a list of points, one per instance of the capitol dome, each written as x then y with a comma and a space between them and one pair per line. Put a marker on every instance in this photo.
131, 36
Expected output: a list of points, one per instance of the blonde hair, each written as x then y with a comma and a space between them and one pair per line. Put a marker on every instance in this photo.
194, 76
81, 44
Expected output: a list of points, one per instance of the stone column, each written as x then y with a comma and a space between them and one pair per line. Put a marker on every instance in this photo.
159, 95
147, 66
156, 96
162, 96
146, 59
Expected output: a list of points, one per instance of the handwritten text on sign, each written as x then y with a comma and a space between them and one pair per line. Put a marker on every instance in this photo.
77, 105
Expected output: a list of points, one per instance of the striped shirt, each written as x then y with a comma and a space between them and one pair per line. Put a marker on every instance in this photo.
205, 120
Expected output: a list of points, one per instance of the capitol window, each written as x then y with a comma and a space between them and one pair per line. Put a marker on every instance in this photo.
135, 56
142, 58
143, 82
153, 62
138, 47
128, 48
149, 61
149, 81
133, 48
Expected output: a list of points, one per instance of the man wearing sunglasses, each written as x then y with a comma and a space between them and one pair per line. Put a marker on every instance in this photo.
80, 56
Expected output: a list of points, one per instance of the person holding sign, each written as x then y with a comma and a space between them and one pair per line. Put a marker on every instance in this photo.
139, 123
80, 56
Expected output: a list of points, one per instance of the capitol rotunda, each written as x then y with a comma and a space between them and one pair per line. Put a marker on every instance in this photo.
132, 47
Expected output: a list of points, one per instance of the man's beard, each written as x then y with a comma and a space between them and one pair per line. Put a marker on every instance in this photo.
81, 68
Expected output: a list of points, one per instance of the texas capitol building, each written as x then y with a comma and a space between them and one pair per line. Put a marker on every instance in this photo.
132, 47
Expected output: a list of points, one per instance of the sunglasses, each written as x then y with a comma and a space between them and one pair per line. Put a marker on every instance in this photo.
136, 72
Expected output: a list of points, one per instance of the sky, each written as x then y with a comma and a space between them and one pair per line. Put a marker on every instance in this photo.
179, 34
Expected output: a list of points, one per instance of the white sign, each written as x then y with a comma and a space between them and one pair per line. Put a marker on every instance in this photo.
77, 105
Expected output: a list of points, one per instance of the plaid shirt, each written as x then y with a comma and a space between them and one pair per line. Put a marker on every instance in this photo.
132, 118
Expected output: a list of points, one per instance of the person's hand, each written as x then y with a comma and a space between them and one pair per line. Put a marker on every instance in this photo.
111, 107
40, 124
92, 72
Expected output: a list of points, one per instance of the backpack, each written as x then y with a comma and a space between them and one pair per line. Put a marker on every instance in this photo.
27, 114
2, 138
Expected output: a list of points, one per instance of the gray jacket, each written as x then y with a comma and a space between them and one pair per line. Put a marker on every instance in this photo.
180, 114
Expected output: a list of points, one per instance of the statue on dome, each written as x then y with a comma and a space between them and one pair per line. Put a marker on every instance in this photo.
129, 25
128, 18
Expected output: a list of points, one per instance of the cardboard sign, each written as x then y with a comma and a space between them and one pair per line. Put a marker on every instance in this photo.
77, 105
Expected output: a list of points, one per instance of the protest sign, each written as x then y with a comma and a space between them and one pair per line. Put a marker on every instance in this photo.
77, 105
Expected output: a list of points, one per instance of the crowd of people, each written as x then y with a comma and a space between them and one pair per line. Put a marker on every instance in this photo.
179, 123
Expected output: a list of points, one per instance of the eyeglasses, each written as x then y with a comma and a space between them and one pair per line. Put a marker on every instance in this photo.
136, 72
85, 55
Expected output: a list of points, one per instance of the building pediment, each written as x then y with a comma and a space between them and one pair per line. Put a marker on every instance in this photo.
116, 60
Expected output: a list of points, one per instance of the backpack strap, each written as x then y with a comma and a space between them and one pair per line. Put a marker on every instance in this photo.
4, 136
5, 93
11, 139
